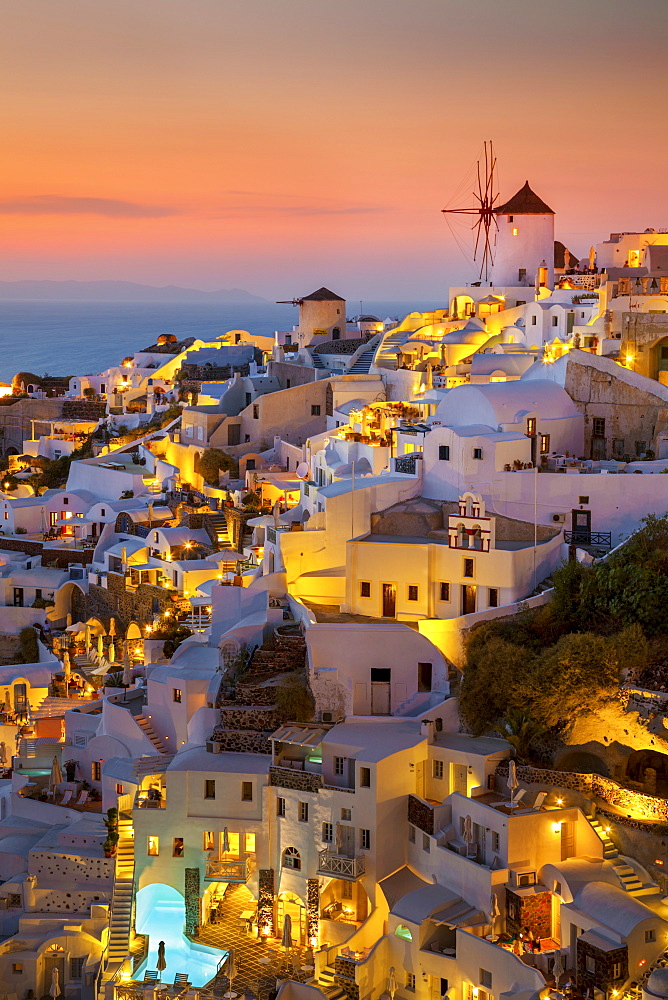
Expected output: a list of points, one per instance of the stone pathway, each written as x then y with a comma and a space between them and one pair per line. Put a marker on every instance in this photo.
253, 976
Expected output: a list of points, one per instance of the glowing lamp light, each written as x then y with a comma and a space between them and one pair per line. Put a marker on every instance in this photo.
560, 802
629, 359
556, 828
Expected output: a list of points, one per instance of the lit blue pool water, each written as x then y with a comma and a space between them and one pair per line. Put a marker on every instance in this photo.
161, 915
34, 771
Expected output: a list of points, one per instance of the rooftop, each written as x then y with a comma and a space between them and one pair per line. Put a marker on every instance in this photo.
524, 202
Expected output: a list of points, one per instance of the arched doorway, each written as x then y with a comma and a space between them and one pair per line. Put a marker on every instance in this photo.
649, 768
54, 958
289, 904
583, 762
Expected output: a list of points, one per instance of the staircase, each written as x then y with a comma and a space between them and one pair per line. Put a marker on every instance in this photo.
328, 986
215, 524
628, 877
84, 663
387, 355
316, 359
144, 724
120, 922
363, 362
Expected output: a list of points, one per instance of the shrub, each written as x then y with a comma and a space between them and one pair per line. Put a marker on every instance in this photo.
294, 701
28, 648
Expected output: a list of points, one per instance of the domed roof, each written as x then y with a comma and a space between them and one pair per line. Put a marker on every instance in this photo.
658, 983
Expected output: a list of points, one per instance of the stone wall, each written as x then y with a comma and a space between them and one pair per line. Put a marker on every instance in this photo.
299, 781
75, 871
344, 977
192, 895
265, 901
602, 978
242, 741
62, 901
313, 907
534, 912
116, 600
84, 409
421, 815
260, 719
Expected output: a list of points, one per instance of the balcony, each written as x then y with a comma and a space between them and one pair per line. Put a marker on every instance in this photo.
229, 870
586, 538
339, 866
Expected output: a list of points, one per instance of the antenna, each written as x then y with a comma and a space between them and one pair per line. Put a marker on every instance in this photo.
484, 210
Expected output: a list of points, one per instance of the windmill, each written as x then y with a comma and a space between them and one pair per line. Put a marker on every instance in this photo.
484, 211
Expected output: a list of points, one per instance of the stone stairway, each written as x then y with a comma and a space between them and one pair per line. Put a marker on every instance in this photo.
146, 727
628, 877
387, 355
328, 985
317, 361
120, 923
215, 525
362, 362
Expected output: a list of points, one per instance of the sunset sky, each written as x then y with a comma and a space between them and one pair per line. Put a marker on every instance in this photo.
277, 145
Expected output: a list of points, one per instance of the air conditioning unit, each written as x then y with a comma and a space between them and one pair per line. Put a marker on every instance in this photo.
523, 879
326, 716
213, 746
559, 518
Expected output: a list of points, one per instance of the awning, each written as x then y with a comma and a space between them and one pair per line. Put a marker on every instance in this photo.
401, 882
302, 736
458, 914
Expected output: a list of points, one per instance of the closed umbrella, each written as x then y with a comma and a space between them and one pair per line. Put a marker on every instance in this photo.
111, 652
286, 940
512, 782
56, 773
558, 968
392, 985
67, 670
87, 639
54, 989
112, 627
127, 669
468, 830
226, 841
231, 970
494, 912
100, 645
3, 753
161, 963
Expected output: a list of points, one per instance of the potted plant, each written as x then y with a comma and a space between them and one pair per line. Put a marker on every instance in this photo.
111, 842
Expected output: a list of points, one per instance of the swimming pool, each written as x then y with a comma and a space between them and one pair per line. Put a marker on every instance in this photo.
161, 914
34, 772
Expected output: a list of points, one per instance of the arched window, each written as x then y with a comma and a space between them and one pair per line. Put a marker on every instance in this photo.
403, 932
292, 858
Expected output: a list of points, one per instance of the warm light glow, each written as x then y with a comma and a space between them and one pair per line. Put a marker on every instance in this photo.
515, 232
556, 827
629, 359
560, 802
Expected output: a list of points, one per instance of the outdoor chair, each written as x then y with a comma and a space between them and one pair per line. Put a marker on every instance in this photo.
83, 798
540, 798
519, 796
66, 797
151, 976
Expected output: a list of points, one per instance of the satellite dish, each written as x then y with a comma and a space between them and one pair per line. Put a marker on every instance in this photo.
302, 470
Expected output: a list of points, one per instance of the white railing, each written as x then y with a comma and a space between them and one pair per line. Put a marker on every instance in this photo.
340, 866
229, 870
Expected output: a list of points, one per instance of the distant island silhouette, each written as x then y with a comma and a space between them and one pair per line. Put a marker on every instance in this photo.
116, 291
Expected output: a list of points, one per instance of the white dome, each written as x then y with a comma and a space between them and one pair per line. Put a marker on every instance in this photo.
657, 984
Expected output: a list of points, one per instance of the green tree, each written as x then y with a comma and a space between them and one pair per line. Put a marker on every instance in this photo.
522, 731
213, 462
294, 701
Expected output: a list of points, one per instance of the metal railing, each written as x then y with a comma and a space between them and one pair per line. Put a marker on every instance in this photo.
581, 537
221, 870
339, 866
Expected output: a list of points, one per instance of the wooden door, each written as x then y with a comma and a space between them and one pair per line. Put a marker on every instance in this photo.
389, 600
459, 778
581, 526
468, 599
380, 698
567, 840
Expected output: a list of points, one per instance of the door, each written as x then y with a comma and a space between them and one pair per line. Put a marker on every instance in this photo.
52, 962
459, 778
468, 599
419, 780
360, 699
380, 698
567, 841
581, 527
20, 699
424, 676
347, 841
18, 597
389, 600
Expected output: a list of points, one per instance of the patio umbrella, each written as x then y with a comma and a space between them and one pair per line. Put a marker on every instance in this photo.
54, 989
3, 753
226, 841
87, 639
112, 627
512, 782
100, 645
468, 830
68, 623
494, 912
127, 669
231, 970
111, 652
8, 704
557, 968
392, 985
67, 669
286, 940
161, 964
56, 773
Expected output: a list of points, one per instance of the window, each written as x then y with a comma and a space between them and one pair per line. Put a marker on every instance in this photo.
249, 843
209, 789
365, 840
208, 840
153, 847
437, 769
640, 448
650, 935
177, 695
346, 815
426, 843
485, 979
515, 231
616, 970
477, 453
617, 447
544, 444
591, 965
412, 592
303, 812
327, 832
599, 426
365, 777
76, 967
424, 676
177, 847
315, 411
256, 412
339, 765
96, 770
444, 452
17, 968
66, 500
444, 591
411, 833
250, 465
495, 841
511, 218
246, 791
280, 806
557, 888
410, 982
521, 274
119, 788
531, 426
292, 859
365, 588
346, 890
468, 568
583, 500
403, 932
493, 597
533, 320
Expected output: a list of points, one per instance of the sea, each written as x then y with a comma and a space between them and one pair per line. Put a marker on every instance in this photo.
84, 338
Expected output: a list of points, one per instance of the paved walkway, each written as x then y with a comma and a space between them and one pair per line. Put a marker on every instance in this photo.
254, 974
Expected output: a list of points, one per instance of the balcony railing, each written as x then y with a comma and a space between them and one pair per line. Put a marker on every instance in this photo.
582, 537
339, 866
233, 870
